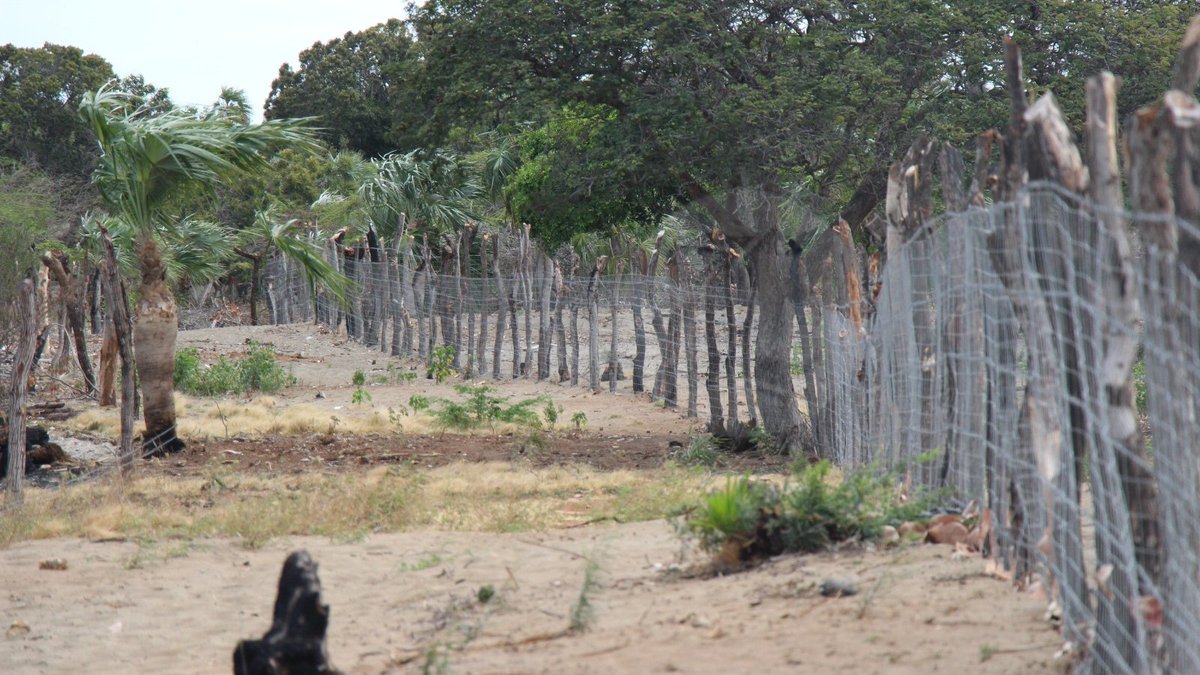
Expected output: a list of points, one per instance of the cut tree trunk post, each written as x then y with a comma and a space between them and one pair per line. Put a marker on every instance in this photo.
614, 354
689, 336
1117, 623
671, 358
108, 366
594, 326
716, 416
482, 341
526, 266
639, 264
656, 315
747, 326
295, 644
731, 421
57, 264
501, 309
118, 310
18, 388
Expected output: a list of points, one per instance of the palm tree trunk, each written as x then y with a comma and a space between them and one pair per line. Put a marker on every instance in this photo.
14, 459
155, 331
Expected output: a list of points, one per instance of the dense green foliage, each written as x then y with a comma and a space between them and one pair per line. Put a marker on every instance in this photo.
748, 518
356, 83
479, 406
257, 370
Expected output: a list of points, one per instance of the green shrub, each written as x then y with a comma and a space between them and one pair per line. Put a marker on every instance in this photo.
747, 520
701, 450
418, 402
256, 371
441, 363
479, 405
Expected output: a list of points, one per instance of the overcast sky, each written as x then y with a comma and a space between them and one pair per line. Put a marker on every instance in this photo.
196, 47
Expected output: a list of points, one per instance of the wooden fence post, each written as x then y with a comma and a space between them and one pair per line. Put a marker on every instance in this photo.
19, 388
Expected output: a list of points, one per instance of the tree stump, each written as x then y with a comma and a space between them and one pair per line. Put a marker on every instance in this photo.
295, 644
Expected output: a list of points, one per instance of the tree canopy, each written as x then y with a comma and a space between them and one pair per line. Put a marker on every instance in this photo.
355, 83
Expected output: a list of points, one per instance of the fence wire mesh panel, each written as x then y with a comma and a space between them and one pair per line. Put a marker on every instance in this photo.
1038, 357
1000, 366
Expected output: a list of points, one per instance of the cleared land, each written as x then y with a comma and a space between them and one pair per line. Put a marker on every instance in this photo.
408, 524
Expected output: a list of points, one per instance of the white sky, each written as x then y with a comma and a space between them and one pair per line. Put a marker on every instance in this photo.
193, 47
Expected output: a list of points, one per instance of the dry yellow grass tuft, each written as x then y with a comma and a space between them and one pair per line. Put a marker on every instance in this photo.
474, 497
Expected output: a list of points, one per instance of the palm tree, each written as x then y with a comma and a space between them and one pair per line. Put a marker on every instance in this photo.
145, 160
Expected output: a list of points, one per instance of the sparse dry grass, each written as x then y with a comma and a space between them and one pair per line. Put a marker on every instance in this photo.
465, 497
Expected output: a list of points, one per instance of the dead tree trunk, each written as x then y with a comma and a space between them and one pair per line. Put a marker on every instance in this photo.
295, 644
640, 263
671, 358
117, 300
527, 299
501, 309
688, 290
108, 366
18, 388
747, 325
594, 326
482, 341
57, 264
731, 345
712, 383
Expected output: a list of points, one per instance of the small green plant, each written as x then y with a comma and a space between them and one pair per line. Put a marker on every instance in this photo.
360, 396
748, 519
419, 403
359, 378
441, 363
579, 419
257, 370
485, 594
701, 450
479, 405
550, 412
763, 441
582, 612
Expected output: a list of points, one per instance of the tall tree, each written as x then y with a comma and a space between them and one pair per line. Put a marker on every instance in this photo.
146, 158
39, 90
354, 84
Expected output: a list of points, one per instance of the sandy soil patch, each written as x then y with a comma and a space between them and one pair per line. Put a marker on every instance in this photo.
401, 602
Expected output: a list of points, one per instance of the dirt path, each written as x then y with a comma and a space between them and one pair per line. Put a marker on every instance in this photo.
403, 601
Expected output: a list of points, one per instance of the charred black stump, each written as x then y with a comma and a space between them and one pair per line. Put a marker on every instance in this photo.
295, 645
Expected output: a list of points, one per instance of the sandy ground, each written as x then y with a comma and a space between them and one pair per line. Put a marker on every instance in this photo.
405, 602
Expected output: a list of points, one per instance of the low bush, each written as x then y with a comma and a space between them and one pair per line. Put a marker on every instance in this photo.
480, 405
257, 370
749, 519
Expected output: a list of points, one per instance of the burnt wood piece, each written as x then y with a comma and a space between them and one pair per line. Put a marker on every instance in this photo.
295, 644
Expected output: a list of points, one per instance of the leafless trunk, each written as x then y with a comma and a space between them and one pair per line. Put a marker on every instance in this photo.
716, 417
639, 265
525, 267
731, 325
593, 326
501, 309
108, 366
747, 326
118, 308
19, 387
57, 264
689, 336
545, 326
481, 344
